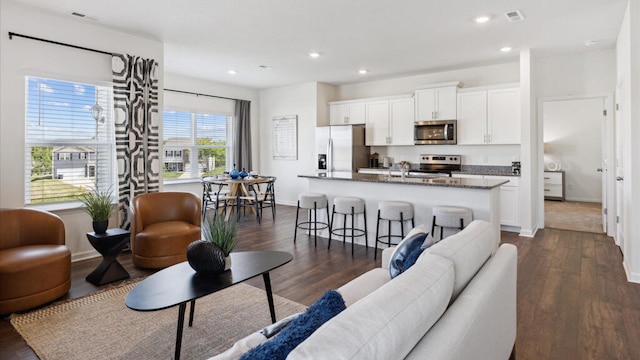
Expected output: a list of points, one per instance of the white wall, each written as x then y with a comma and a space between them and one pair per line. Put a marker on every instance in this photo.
586, 73
300, 100
21, 57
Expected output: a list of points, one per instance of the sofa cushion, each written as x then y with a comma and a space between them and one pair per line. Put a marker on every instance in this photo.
468, 250
384, 325
364, 285
413, 240
325, 308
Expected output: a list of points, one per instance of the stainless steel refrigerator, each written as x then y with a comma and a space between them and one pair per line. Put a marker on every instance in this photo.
341, 148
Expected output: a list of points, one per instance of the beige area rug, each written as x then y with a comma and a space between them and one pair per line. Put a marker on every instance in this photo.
100, 326
573, 215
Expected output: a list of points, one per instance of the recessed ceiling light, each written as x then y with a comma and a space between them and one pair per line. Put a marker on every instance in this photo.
589, 42
314, 54
482, 19
363, 71
506, 48
232, 72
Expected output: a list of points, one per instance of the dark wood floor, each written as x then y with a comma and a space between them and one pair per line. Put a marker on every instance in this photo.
573, 299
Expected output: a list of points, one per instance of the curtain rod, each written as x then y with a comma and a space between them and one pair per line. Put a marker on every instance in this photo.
199, 94
12, 34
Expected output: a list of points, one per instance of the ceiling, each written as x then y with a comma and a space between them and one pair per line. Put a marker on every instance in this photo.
206, 38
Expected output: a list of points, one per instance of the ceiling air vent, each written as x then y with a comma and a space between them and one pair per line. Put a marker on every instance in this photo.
514, 16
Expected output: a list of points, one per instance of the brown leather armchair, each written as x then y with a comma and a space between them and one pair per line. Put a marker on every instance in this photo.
35, 263
163, 225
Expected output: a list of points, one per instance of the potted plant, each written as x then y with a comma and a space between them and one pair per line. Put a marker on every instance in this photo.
98, 204
211, 254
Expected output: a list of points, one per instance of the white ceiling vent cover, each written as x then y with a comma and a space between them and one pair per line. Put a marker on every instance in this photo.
514, 16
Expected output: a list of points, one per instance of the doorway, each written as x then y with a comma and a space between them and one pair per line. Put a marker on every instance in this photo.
575, 145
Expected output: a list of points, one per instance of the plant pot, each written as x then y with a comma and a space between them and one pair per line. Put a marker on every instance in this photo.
205, 257
100, 227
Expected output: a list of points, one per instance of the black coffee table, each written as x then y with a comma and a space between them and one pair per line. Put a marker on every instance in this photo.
180, 284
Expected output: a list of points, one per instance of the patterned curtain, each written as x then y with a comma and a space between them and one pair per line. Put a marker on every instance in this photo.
135, 93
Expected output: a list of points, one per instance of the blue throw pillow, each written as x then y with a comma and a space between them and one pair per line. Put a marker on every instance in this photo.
411, 258
299, 329
404, 248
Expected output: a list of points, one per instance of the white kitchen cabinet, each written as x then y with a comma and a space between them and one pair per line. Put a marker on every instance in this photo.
554, 185
438, 103
389, 122
489, 116
503, 123
472, 117
401, 121
347, 112
377, 122
509, 198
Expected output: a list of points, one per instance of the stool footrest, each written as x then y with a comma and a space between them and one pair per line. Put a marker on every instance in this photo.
357, 232
306, 225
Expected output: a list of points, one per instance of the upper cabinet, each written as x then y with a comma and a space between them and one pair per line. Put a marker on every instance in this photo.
489, 116
389, 121
436, 103
347, 112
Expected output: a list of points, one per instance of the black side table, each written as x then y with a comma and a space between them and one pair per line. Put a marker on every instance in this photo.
109, 245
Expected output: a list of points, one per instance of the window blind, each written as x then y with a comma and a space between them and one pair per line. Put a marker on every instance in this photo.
69, 140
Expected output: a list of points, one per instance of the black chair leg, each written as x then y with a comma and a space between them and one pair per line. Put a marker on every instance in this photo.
295, 232
366, 236
333, 214
375, 254
401, 227
353, 225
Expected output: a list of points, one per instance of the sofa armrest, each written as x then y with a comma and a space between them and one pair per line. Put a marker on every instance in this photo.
386, 256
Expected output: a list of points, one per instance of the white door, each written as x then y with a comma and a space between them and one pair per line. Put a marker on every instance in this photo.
619, 170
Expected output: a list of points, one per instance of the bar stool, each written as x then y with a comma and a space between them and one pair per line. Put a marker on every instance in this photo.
349, 206
312, 202
450, 217
393, 211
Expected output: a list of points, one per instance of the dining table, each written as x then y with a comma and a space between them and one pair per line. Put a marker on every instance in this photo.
238, 189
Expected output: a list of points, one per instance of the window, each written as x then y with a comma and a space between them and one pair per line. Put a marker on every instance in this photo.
69, 140
195, 144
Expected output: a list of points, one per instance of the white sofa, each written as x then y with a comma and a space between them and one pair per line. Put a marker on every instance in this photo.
457, 302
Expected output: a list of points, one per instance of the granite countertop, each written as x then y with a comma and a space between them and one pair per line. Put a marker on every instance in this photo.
469, 170
442, 181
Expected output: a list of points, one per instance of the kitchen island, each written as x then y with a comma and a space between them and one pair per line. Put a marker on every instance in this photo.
482, 196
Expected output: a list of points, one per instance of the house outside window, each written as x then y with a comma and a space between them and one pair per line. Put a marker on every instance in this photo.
195, 144
67, 150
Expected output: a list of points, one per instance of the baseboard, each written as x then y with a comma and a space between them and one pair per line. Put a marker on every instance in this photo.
631, 277
84, 255
528, 233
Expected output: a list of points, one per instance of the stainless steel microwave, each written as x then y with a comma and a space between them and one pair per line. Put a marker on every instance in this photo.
437, 132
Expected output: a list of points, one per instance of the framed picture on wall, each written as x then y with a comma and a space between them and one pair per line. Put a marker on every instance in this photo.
285, 137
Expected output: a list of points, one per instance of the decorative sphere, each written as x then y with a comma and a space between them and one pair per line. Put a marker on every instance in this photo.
205, 257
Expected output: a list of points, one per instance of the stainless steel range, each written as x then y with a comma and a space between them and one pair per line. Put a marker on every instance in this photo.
430, 163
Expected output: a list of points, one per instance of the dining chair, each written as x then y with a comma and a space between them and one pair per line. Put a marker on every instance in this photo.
267, 195
215, 194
